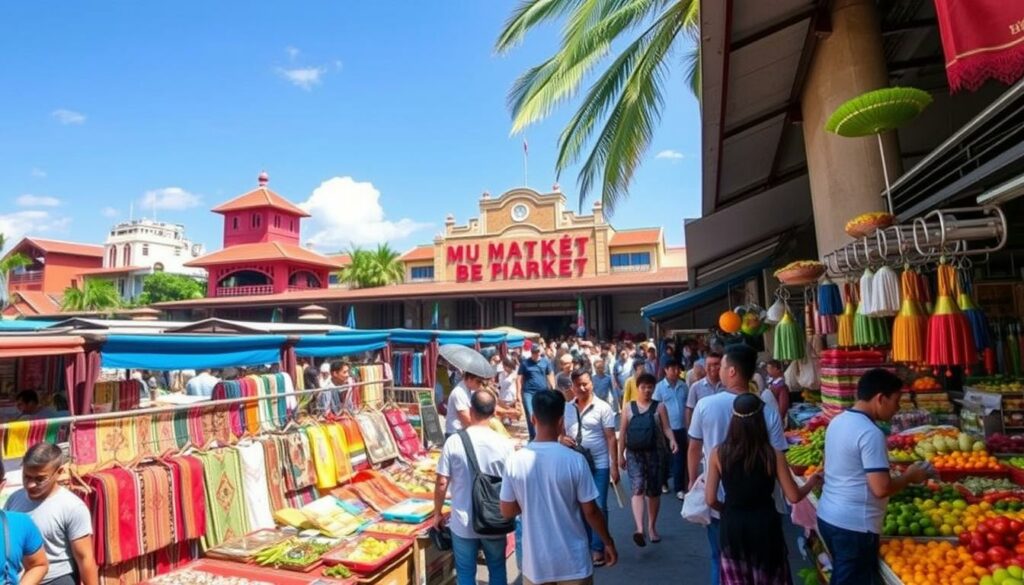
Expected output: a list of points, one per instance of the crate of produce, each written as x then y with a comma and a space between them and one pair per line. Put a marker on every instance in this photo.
366, 554
243, 548
295, 554
399, 572
218, 572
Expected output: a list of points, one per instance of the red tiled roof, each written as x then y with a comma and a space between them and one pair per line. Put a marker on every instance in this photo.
419, 253
664, 278
264, 251
62, 247
260, 197
115, 270
37, 302
636, 237
342, 258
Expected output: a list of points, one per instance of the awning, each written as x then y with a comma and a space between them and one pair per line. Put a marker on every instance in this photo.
340, 344
166, 352
515, 340
411, 336
492, 337
23, 325
30, 346
466, 338
677, 304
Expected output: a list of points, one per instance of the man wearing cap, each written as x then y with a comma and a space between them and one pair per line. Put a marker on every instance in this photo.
535, 375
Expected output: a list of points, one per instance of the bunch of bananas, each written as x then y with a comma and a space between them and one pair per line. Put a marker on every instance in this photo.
810, 453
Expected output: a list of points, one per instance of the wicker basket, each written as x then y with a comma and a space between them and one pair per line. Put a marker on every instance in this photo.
800, 275
866, 225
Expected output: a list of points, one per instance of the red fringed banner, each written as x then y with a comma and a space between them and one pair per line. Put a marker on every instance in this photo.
981, 39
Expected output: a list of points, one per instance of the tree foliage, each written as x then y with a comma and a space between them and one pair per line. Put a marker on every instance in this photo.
619, 112
372, 268
95, 295
161, 287
9, 264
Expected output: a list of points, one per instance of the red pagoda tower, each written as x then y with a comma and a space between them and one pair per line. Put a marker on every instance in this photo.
261, 254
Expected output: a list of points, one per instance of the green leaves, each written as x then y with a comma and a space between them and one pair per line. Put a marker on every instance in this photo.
95, 295
625, 101
161, 287
373, 268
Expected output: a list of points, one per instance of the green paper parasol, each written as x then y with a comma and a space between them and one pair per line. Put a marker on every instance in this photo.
878, 111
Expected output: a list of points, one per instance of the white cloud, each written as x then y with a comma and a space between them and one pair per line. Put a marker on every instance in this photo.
28, 200
304, 77
348, 212
68, 117
293, 52
38, 173
670, 154
110, 212
173, 198
19, 224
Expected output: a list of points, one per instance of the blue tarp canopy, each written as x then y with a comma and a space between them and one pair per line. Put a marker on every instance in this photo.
411, 336
340, 343
171, 352
515, 340
466, 338
492, 337
24, 325
678, 304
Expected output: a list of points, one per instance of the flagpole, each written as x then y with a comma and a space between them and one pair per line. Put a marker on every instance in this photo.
526, 164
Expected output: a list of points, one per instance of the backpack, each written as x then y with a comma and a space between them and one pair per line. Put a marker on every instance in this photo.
487, 518
642, 432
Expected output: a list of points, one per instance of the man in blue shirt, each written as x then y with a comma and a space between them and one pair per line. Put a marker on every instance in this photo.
602, 383
25, 550
535, 375
671, 391
621, 372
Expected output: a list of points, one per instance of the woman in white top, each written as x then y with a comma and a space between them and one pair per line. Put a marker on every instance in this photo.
508, 385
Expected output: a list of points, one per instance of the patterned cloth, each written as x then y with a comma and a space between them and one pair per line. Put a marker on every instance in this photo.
408, 441
275, 473
190, 492
323, 457
226, 514
644, 469
116, 515
156, 503
380, 446
336, 438
254, 478
354, 443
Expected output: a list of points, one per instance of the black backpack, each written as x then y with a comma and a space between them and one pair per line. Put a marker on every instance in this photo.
487, 518
642, 432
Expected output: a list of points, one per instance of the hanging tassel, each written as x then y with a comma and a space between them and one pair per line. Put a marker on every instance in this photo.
885, 293
949, 335
975, 316
824, 324
847, 319
830, 302
925, 290
910, 328
867, 300
789, 340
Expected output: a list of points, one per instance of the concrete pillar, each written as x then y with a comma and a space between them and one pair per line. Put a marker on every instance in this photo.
845, 173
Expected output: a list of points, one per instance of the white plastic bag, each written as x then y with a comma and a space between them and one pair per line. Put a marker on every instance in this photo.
803, 374
695, 505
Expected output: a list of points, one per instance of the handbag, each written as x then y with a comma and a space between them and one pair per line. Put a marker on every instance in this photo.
579, 448
695, 505
487, 517
441, 536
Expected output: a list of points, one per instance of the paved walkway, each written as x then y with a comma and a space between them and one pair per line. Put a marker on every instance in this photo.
681, 557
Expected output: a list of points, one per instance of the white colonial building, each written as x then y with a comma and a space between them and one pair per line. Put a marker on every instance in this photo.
139, 247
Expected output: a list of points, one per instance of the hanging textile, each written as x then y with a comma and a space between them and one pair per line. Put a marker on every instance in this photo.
116, 515
323, 457
336, 438
300, 461
372, 376
156, 509
408, 441
254, 478
380, 446
981, 40
226, 514
16, 439
275, 473
409, 368
190, 497
354, 443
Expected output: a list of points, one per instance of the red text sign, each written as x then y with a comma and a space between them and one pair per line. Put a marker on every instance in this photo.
563, 257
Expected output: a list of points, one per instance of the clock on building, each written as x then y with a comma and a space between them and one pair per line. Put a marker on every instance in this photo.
520, 212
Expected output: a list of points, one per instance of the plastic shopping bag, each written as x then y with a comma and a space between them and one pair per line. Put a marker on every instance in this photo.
695, 506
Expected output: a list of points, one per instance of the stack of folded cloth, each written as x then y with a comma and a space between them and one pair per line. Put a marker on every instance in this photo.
841, 369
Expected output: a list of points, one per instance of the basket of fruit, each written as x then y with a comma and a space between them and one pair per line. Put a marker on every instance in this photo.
801, 272
367, 553
294, 554
866, 223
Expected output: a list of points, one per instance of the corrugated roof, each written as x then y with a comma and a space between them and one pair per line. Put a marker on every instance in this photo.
419, 253
636, 237
665, 278
342, 258
260, 197
264, 251
62, 247
38, 302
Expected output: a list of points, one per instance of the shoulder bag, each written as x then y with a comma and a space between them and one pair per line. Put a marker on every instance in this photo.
579, 448
486, 490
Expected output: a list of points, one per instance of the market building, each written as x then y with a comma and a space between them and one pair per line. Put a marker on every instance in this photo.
36, 289
526, 260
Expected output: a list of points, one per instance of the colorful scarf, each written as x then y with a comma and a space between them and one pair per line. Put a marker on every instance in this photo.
117, 515
300, 458
156, 497
163, 432
16, 440
115, 440
254, 478
380, 446
354, 443
276, 473
336, 438
409, 443
145, 441
252, 407
191, 497
226, 516
323, 457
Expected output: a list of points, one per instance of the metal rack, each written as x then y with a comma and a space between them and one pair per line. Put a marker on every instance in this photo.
960, 232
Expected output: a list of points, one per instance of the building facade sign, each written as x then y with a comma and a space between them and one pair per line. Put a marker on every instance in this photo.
519, 259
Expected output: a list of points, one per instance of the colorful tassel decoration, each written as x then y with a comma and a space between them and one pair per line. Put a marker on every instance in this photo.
975, 316
867, 299
910, 329
885, 293
830, 302
824, 324
847, 319
949, 335
789, 339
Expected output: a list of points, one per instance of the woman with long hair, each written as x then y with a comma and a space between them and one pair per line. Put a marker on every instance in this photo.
752, 543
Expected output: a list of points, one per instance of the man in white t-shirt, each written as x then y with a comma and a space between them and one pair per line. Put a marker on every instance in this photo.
457, 416
710, 424
597, 434
709, 385
551, 486
454, 473
858, 482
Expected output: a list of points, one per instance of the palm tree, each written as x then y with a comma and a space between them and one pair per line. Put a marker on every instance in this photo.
373, 268
95, 295
627, 96
9, 264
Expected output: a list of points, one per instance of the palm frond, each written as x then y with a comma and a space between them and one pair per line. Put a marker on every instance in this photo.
527, 15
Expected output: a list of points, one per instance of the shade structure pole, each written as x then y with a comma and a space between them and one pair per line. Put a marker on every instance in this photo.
885, 172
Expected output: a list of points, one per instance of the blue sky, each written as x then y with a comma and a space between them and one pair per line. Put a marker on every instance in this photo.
395, 110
